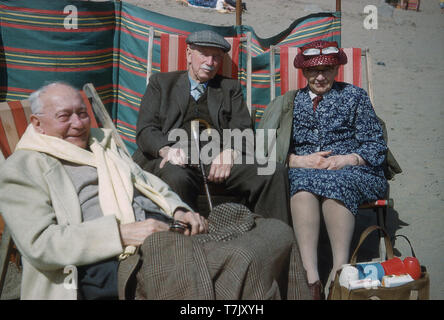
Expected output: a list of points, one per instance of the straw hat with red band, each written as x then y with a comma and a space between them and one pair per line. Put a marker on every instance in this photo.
320, 53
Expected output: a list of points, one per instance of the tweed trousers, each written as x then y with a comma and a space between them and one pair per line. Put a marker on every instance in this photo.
244, 256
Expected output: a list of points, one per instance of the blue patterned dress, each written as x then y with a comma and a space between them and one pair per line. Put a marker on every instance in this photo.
345, 123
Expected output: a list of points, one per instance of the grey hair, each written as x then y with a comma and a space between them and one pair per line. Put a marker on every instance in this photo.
34, 98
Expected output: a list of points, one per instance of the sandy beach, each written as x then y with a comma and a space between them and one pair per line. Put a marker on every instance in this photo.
406, 56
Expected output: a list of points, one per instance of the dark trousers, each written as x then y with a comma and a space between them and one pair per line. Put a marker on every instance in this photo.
266, 195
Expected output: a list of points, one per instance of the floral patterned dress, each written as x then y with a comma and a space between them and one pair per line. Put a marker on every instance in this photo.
345, 123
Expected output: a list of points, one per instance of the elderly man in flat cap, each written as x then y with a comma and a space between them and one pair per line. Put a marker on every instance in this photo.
173, 100
333, 144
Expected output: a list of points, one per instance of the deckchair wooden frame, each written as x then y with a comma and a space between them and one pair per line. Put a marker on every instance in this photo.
247, 38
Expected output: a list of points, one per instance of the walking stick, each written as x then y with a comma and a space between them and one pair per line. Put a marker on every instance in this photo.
195, 136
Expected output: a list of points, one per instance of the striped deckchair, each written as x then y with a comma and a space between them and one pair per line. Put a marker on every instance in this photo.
409, 5
413, 5
14, 118
352, 72
173, 57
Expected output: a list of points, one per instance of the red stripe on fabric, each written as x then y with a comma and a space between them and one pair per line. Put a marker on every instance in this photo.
181, 54
26, 27
137, 73
119, 87
58, 53
16, 89
302, 82
126, 124
165, 47
312, 23
4, 145
159, 26
57, 12
260, 86
89, 110
126, 53
79, 69
127, 139
19, 116
131, 33
284, 70
310, 39
58, 69
357, 67
340, 75
126, 104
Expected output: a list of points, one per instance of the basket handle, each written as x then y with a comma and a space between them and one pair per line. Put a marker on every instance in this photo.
407, 239
388, 244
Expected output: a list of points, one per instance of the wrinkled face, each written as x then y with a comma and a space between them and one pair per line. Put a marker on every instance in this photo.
203, 62
320, 78
63, 115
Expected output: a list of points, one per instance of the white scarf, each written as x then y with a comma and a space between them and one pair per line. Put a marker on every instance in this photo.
116, 180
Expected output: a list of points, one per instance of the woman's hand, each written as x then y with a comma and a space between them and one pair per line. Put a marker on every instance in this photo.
317, 160
340, 161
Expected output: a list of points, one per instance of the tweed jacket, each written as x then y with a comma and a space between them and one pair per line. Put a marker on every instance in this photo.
41, 208
165, 103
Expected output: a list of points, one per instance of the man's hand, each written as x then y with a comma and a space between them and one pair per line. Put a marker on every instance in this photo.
174, 156
317, 160
133, 234
198, 223
221, 166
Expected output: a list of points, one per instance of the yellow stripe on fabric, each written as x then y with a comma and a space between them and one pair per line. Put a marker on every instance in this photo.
15, 95
128, 23
32, 15
136, 99
307, 36
61, 24
126, 131
136, 104
58, 64
132, 66
58, 57
136, 24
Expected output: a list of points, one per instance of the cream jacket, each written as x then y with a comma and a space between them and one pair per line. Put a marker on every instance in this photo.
40, 206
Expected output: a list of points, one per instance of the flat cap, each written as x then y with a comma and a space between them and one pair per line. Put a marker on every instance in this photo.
208, 38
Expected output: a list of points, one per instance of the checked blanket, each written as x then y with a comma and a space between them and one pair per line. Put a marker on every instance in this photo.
244, 256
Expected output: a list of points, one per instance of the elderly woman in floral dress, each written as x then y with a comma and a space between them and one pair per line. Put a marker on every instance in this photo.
332, 142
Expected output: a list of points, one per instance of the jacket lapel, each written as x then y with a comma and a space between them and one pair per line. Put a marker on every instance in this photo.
181, 93
215, 99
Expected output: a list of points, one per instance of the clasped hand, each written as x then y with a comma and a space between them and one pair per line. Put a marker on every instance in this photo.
321, 160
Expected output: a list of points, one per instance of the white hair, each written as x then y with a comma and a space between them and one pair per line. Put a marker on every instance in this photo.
34, 98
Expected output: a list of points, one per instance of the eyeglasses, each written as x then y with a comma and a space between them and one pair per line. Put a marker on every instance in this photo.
316, 51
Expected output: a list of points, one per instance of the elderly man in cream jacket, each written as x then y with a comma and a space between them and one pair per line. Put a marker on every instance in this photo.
59, 214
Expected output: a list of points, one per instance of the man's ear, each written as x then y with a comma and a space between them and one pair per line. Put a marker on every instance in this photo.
36, 123
188, 54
